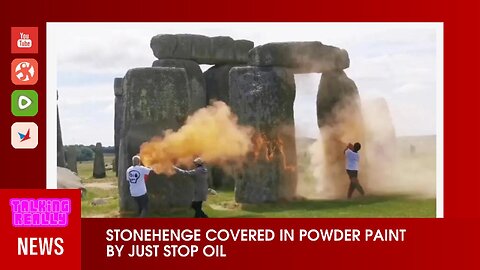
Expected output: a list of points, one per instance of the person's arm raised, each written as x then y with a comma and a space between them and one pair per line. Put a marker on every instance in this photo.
349, 146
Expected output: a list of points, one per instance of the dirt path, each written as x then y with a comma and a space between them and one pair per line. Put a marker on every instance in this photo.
106, 185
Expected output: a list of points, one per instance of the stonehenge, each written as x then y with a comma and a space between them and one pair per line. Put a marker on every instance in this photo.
258, 84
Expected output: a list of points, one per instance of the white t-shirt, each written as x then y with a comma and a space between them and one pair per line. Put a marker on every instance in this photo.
351, 160
136, 177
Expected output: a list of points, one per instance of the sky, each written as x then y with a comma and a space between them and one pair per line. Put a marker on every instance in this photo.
396, 61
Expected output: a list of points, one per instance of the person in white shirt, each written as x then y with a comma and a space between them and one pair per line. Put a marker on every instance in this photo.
352, 159
137, 176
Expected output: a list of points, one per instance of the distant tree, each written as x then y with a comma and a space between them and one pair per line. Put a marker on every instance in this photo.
109, 149
84, 153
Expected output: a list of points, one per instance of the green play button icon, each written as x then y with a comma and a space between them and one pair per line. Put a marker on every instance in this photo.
24, 103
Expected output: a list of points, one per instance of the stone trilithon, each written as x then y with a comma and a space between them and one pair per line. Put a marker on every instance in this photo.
258, 83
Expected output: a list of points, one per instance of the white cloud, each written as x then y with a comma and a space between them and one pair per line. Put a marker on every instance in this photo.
411, 88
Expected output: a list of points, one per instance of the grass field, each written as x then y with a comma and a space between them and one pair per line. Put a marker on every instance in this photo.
105, 189
223, 205
102, 201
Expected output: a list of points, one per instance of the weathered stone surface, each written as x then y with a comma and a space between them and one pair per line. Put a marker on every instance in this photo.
197, 95
221, 178
127, 203
216, 79
217, 85
60, 150
72, 158
223, 49
201, 49
99, 162
337, 98
118, 86
302, 57
67, 179
340, 121
118, 118
241, 48
156, 99
263, 97
115, 165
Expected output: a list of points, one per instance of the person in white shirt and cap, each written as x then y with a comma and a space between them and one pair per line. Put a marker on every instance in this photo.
200, 176
352, 159
137, 176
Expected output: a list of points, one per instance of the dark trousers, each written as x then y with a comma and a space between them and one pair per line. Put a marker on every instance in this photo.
354, 183
142, 202
197, 206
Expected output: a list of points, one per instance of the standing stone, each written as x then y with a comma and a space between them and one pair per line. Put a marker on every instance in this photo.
217, 79
98, 162
156, 99
263, 98
118, 118
197, 95
340, 121
72, 158
302, 57
221, 178
127, 203
60, 150
115, 165
337, 99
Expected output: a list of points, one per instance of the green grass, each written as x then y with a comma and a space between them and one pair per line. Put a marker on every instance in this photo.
223, 204
110, 209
